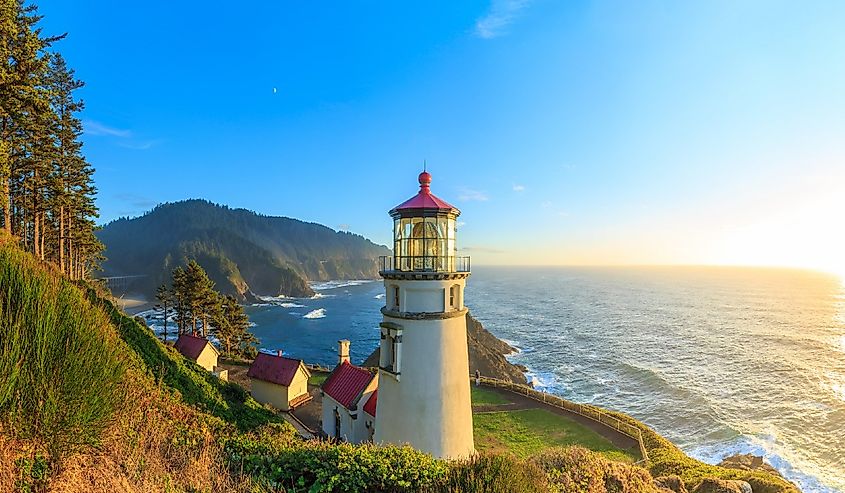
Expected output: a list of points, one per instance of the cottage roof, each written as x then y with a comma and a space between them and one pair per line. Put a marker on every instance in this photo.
275, 369
192, 346
370, 406
424, 199
346, 383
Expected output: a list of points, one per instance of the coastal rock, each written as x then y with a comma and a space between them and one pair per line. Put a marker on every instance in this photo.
748, 462
486, 354
713, 485
671, 483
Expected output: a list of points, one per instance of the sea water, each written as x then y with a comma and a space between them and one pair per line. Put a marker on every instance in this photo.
718, 360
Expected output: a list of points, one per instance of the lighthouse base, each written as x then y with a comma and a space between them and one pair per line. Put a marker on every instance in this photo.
426, 402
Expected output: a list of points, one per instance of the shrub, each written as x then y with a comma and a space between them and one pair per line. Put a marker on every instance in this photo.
275, 458
61, 366
487, 473
578, 470
666, 460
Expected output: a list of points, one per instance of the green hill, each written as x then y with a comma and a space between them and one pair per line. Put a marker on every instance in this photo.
243, 252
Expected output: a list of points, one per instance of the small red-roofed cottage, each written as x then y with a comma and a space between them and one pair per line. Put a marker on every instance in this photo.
198, 349
346, 392
279, 381
370, 414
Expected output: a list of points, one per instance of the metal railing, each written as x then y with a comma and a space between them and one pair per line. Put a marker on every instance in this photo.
451, 263
590, 412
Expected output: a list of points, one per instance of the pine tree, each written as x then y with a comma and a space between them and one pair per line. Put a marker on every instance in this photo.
231, 327
201, 295
24, 113
180, 299
165, 303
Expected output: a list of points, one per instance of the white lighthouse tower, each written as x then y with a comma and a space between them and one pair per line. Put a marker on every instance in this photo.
424, 391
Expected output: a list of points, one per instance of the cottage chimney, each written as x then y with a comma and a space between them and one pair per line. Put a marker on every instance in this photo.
342, 351
279, 353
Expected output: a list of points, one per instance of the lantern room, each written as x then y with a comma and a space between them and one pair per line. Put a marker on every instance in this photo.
424, 234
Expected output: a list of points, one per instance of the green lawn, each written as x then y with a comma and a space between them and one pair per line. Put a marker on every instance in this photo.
525, 432
317, 379
483, 396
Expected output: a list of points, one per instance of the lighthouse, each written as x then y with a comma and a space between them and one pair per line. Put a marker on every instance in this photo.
424, 390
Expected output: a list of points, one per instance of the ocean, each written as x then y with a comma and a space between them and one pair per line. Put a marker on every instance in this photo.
718, 360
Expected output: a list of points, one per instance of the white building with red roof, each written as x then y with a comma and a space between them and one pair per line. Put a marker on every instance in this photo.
349, 403
198, 349
279, 381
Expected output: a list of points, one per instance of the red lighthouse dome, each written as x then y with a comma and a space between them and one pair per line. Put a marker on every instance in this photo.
424, 234
424, 200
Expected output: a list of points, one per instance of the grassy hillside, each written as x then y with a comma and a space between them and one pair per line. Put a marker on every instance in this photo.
93, 402
242, 251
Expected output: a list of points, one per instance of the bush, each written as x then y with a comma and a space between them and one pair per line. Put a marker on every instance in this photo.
62, 368
275, 458
668, 460
578, 470
487, 473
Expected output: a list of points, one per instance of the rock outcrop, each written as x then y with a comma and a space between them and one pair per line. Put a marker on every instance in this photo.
486, 354
712, 485
748, 462
671, 483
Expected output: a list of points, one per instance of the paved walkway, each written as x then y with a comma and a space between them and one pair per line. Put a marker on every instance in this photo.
302, 430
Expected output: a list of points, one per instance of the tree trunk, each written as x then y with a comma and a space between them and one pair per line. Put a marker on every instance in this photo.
7, 206
62, 239
41, 247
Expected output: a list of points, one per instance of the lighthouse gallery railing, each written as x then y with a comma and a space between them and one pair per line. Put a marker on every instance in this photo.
394, 263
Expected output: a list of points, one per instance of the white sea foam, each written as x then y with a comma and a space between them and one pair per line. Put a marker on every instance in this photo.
318, 313
291, 305
379, 296
511, 343
322, 286
273, 299
770, 450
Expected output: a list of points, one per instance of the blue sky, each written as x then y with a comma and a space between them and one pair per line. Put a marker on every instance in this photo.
567, 132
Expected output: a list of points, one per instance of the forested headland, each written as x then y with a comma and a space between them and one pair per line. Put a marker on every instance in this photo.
244, 253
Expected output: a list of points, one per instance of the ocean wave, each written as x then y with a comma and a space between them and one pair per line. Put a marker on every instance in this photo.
319, 295
512, 343
290, 305
272, 299
322, 286
318, 313
379, 296
772, 453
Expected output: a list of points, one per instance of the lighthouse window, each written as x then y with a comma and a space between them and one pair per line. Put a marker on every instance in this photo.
424, 243
396, 297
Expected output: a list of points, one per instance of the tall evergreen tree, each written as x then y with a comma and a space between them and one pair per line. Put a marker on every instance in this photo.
165, 304
180, 299
231, 327
46, 186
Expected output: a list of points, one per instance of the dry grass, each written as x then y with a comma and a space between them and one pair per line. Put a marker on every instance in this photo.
156, 444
